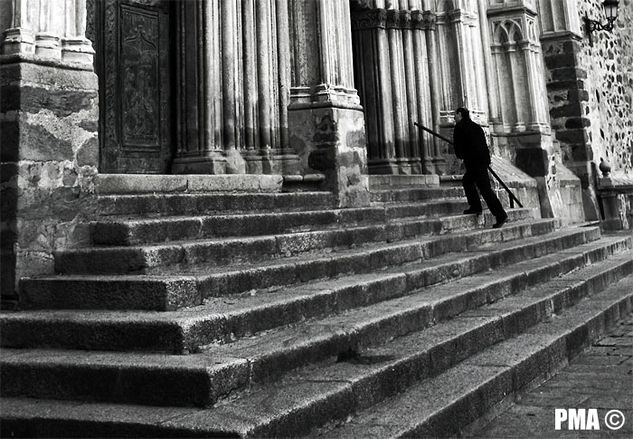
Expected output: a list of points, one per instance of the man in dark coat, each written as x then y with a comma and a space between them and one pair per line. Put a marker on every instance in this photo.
471, 147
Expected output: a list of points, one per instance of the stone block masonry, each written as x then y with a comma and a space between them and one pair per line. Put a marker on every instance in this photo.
591, 98
50, 153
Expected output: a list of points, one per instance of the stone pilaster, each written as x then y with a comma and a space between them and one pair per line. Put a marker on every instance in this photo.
50, 148
524, 130
326, 121
568, 94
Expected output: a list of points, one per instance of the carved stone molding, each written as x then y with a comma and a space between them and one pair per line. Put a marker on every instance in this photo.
369, 19
365, 19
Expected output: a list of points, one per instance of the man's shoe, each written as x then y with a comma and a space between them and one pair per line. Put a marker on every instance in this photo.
500, 221
471, 210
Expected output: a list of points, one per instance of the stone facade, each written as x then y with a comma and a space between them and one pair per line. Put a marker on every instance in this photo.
590, 89
301, 87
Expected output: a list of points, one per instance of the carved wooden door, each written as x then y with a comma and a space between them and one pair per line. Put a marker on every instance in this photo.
134, 67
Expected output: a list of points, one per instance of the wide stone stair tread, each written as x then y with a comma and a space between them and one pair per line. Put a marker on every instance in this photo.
415, 194
248, 361
222, 251
444, 405
159, 204
219, 320
332, 390
132, 231
165, 293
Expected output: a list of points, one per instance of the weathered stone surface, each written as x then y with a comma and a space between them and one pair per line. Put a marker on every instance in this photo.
332, 139
55, 157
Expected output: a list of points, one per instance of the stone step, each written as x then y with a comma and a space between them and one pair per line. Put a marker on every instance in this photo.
160, 204
445, 405
233, 366
415, 194
125, 184
126, 231
443, 371
163, 293
403, 181
153, 259
223, 322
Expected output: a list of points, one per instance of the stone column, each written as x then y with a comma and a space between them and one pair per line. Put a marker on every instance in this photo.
251, 136
372, 69
325, 118
398, 90
199, 77
286, 160
494, 116
439, 163
48, 132
230, 29
413, 143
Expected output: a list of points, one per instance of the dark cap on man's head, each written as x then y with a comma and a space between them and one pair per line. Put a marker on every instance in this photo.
463, 112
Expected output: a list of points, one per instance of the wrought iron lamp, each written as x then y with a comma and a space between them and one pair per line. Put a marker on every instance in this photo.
611, 12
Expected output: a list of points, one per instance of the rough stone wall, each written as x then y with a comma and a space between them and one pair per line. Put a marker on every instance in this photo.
48, 132
608, 110
590, 95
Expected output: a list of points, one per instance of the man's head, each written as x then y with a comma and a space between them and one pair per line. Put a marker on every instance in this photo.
461, 113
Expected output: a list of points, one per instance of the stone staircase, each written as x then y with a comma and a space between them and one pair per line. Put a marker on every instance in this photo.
275, 314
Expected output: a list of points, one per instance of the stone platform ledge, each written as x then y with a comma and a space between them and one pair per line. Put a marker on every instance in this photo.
617, 183
120, 184
49, 62
383, 181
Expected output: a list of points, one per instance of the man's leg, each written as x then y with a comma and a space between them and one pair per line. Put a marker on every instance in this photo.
469, 182
483, 183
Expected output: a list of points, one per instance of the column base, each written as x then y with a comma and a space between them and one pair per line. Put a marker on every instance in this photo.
215, 164
396, 167
18, 41
48, 46
275, 161
77, 50
383, 167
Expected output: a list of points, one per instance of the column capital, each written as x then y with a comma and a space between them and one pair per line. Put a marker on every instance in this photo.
369, 19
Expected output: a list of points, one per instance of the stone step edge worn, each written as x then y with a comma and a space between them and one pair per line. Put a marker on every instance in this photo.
157, 258
122, 420
171, 294
236, 323
236, 279
135, 231
172, 331
244, 369
169, 204
526, 359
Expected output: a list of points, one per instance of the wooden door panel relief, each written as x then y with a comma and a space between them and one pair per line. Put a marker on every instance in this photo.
135, 81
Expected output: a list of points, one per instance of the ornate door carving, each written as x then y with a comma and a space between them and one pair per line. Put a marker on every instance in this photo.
134, 69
